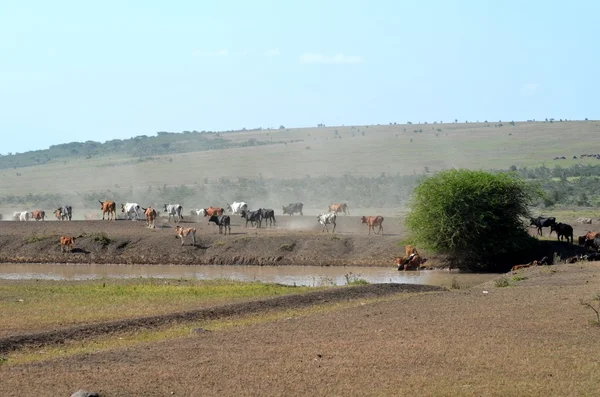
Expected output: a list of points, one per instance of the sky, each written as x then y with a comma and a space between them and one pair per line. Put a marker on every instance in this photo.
77, 71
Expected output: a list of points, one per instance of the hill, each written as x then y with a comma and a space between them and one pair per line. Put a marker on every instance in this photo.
375, 163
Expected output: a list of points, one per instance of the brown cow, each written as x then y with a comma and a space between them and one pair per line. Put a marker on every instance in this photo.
213, 211
38, 215
150, 214
343, 207
57, 214
588, 238
110, 208
373, 221
412, 259
66, 242
182, 232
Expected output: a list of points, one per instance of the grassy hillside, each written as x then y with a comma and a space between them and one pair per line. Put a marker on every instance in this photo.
372, 164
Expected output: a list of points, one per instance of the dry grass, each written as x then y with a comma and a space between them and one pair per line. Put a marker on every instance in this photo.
470, 145
30, 306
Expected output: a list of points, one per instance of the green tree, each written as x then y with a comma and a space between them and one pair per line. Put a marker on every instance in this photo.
474, 217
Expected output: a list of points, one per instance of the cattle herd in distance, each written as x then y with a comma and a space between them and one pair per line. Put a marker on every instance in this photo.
217, 215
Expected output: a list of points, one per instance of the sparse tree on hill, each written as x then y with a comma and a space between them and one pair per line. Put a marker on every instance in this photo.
282, 127
474, 217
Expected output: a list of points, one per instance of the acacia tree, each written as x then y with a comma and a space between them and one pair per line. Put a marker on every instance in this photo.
474, 217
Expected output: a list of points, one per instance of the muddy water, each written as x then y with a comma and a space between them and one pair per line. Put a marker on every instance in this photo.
290, 275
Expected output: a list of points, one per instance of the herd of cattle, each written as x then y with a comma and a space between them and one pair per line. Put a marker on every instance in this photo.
565, 231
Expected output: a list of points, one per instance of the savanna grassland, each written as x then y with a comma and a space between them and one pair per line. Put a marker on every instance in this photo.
525, 333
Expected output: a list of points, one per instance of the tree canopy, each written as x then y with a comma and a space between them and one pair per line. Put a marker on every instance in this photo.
475, 217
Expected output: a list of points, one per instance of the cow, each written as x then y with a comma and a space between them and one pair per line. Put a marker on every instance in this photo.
541, 222
237, 207
131, 209
182, 232
66, 242
150, 214
252, 217
223, 221
21, 216
175, 211
562, 230
336, 208
526, 265
268, 215
327, 219
38, 215
413, 261
210, 211
64, 212
587, 239
292, 208
110, 208
198, 212
584, 221
373, 221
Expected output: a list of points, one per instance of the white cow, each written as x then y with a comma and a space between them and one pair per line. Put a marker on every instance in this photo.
132, 209
199, 212
326, 219
21, 216
237, 207
174, 210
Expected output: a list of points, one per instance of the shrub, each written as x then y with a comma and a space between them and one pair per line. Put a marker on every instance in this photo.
474, 217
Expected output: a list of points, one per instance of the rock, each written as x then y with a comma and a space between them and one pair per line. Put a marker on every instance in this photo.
85, 393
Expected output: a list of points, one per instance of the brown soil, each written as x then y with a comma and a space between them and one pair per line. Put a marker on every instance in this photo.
532, 338
295, 240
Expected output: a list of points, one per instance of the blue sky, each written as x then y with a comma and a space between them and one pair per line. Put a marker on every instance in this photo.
75, 71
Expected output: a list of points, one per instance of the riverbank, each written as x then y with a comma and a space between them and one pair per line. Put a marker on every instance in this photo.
294, 241
527, 334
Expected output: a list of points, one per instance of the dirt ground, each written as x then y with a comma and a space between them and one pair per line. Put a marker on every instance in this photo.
532, 338
294, 240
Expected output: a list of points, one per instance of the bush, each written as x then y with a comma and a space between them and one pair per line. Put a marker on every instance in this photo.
474, 217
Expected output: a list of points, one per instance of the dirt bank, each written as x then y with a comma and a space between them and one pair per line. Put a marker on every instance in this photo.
295, 240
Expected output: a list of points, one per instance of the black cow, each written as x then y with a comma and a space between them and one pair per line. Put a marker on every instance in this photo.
223, 221
268, 215
292, 208
562, 230
540, 222
252, 216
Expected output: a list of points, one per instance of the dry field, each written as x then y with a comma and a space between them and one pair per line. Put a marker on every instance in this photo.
393, 149
531, 338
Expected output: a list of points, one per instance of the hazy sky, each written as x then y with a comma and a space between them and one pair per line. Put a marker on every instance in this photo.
78, 70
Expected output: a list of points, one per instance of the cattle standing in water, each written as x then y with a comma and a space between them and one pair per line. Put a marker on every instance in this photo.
562, 230
411, 259
268, 215
373, 221
182, 232
327, 219
66, 242
223, 221
237, 207
64, 212
293, 208
150, 214
540, 222
337, 208
38, 215
175, 211
131, 209
110, 208
252, 217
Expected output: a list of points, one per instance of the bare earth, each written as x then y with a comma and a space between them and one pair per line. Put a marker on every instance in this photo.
531, 338
294, 240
